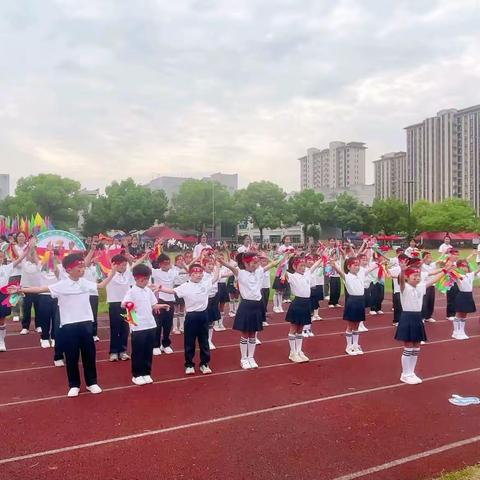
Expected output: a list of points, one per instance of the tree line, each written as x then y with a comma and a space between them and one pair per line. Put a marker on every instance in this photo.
199, 204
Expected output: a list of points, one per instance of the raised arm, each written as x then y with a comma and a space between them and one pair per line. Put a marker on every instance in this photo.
21, 258
337, 269
230, 267
107, 280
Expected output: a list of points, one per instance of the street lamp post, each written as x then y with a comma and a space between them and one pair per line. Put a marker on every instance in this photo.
213, 212
409, 202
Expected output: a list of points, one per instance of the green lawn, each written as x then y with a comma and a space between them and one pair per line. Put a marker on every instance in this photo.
470, 473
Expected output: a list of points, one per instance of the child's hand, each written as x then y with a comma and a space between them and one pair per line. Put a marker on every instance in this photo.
160, 306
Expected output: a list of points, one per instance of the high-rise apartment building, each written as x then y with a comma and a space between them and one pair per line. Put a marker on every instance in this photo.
341, 165
4, 185
390, 176
443, 156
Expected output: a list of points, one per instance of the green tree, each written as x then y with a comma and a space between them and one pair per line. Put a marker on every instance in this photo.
350, 214
126, 206
200, 204
263, 203
390, 215
451, 215
48, 194
306, 207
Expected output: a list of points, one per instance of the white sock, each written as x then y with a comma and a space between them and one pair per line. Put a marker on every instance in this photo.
275, 300
298, 342
231, 306
291, 342
235, 305
210, 333
349, 337
413, 359
406, 356
315, 312
251, 347
181, 320
355, 338
244, 347
3, 333
461, 326
175, 321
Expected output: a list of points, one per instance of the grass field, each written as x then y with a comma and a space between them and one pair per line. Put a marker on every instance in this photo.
470, 473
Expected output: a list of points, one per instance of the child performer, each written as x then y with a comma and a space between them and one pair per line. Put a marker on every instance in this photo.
377, 289
116, 291
318, 283
213, 309
453, 291
394, 272
280, 282
250, 314
92, 276
428, 266
264, 261
30, 278
233, 292
195, 293
223, 296
364, 272
76, 321
464, 303
354, 311
6, 271
299, 311
164, 275
334, 252
181, 277
309, 260
411, 330
142, 300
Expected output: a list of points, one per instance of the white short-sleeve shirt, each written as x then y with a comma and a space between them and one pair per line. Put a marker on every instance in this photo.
143, 300
394, 273
118, 286
250, 284
6, 271
465, 284
195, 295
444, 248
166, 279
91, 275
354, 284
412, 297
266, 279
198, 249
207, 277
300, 284
30, 274
74, 300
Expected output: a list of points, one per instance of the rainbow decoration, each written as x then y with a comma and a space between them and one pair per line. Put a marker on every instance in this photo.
29, 226
447, 280
131, 316
282, 270
11, 299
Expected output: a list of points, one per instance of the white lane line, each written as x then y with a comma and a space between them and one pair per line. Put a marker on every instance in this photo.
226, 419
319, 335
227, 372
411, 458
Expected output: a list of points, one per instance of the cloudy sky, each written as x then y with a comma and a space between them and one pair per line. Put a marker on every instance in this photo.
105, 89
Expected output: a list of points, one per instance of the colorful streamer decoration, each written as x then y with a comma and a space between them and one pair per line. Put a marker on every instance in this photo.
131, 316
11, 299
447, 280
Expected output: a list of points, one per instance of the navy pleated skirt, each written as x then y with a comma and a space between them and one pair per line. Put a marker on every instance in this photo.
464, 303
250, 316
354, 308
410, 328
298, 312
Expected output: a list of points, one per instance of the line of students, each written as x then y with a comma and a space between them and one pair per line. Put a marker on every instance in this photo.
201, 298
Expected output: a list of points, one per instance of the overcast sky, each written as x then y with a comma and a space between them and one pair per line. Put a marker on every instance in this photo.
100, 90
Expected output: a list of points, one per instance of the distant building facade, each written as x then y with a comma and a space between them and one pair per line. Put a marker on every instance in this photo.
390, 176
4, 185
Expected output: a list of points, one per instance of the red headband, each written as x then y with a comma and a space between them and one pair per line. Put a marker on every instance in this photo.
298, 261
249, 259
352, 261
411, 271
195, 269
74, 264
140, 276
309, 257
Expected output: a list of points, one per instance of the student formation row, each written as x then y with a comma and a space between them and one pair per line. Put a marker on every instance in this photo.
150, 301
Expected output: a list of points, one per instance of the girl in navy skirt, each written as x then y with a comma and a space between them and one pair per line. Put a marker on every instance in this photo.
464, 303
298, 314
428, 267
264, 261
250, 313
232, 289
6, 272
280, 282
394, 271
223, 297
453, 292
213, 309
411, 330
314, 301
354, 311
364, 272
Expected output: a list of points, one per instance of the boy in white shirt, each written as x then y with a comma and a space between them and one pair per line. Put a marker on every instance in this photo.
76, 321
143, 302
30, 278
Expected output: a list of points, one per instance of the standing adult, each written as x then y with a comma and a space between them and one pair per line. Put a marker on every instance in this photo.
446, 245
200, 246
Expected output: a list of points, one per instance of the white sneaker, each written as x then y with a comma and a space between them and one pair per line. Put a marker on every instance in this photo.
362, 327
331, 306
265, 324
231, 314
430, 320
462, 336
294, 357
96, 339
44, 343
176, 331
315, 318
38, 329
124, 356
351, 350
253, 363
16, 318
205, 369
73, 392
407, 379
380, 312
373, 312
157, 351
257, 341
422, 342
147, 379
113, 357
455, 335
416, 379
221, 326
338, 305
245, 364
3, 348
302, 356
138, 380
94, 389
189, 370
305, 334
310, 333
451, 318
167, 350
23, 331
52, 342
216, 328
358, 350
59, 363
326, 297
211, 346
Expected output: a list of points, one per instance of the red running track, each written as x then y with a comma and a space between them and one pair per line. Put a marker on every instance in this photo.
337, 417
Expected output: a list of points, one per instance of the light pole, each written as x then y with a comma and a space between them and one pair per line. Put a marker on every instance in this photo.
409, 202
213, 211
